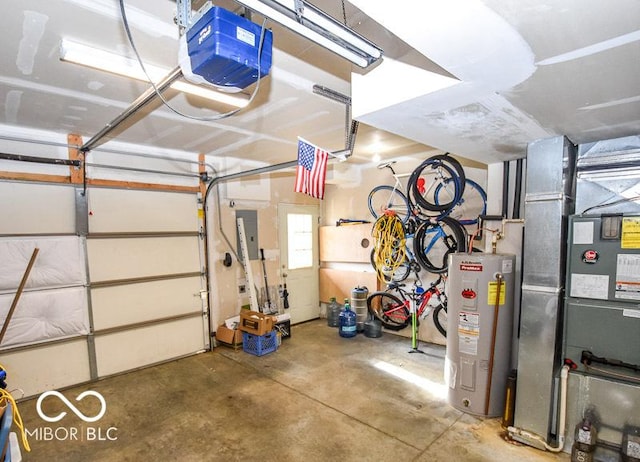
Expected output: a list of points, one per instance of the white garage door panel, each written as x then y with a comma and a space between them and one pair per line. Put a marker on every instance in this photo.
133, 303
28, 208
59, 263
112, 259
122, 210
47, 367
130, 349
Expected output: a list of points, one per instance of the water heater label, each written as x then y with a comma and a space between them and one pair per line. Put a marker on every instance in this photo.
468, 332
470, 267
493, 291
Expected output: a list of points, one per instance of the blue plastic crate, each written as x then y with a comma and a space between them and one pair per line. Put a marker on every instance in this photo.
260, 344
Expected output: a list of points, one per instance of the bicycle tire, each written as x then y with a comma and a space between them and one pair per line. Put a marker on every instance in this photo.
384, 197
433, 242
439, 316
473, 202
389, 310
400, 274
454, 172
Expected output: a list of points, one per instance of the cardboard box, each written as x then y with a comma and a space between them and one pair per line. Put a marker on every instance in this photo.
231, 337
255, 323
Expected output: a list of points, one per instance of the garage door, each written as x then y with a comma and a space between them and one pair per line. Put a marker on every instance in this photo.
125, 294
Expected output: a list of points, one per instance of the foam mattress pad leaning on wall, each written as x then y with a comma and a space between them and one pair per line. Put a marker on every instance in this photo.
54, 302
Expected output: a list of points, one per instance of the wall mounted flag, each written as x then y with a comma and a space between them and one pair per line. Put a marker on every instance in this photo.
312, 169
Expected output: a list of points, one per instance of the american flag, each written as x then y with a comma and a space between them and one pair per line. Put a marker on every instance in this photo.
312, 169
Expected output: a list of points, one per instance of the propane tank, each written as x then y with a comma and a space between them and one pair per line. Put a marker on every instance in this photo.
359, 306
347, 327
479, 331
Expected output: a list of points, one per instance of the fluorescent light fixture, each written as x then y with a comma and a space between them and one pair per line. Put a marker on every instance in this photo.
128, 67
317, 26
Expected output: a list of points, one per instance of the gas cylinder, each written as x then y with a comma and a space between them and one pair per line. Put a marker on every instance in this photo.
347, 327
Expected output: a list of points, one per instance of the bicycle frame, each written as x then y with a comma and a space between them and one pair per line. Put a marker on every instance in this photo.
408, 297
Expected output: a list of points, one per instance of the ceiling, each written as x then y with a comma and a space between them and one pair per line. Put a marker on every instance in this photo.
518, 70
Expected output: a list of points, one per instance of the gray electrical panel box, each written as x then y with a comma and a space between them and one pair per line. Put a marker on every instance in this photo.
250, 218
602, 315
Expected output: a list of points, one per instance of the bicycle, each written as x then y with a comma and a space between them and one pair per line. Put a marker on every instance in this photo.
433, 174
385, 197
395, 312
434, 241
469, 207
396, 273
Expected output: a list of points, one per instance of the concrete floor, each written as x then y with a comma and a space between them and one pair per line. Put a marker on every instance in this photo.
318, 398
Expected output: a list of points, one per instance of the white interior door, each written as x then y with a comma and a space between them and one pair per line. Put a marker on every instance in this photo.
298, 236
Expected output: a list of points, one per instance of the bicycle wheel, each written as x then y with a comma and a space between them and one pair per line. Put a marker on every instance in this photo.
434, 241
389, 310
471, 205
439, 316
434, 172
384, 197
386, 273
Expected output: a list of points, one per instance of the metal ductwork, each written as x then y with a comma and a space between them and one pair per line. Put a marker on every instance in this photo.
548, 203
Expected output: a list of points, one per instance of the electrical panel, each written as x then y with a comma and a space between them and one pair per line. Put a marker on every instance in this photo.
602, 311
250, 218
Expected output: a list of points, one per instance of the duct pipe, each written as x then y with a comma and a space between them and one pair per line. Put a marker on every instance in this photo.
562, 419
149, 95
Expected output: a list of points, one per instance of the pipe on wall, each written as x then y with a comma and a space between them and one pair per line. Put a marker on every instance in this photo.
517, 197
505, 189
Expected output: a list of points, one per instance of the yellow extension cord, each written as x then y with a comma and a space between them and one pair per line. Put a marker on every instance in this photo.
16, 415
389, 244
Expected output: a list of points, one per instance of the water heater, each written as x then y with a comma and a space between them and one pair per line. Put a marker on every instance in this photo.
479, 331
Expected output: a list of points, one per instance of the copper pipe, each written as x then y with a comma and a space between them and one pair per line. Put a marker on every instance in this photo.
496, 307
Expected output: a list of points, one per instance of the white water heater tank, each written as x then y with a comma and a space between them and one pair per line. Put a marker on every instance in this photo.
479, 331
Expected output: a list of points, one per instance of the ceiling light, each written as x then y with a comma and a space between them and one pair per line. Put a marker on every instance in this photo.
317, 26
128, 67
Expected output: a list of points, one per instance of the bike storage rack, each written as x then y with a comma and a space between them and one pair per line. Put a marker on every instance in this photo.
417, 228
